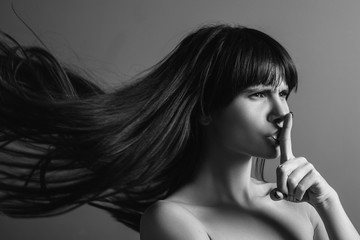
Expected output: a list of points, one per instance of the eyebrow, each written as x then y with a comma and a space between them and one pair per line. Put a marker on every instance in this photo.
262, 88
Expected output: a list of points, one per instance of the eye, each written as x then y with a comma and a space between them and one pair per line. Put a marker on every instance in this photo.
284, 94
258, 95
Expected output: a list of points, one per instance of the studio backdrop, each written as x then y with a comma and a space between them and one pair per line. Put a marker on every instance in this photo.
115, 39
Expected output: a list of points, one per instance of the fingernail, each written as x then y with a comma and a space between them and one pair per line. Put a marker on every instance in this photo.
278, 195
292, 114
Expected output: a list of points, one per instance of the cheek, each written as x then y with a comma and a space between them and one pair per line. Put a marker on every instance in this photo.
235, 129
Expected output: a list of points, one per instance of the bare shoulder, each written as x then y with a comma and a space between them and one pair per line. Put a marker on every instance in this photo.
320, 232
306, 212
310, 213
170, 221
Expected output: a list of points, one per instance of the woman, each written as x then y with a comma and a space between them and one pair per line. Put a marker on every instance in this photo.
170, 154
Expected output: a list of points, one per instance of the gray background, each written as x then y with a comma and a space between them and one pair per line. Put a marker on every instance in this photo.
117, 39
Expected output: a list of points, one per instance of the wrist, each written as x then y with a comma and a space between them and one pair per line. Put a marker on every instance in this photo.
335, 219
328, 201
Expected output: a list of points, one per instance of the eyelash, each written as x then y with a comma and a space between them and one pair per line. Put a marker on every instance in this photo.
283, 94
258, 94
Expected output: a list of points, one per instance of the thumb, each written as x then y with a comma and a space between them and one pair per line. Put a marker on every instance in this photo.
276, 195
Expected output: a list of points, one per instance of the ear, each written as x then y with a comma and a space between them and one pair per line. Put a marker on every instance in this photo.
205, 120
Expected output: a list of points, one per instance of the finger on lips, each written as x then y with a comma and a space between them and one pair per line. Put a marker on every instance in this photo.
285, 139
294, 175
284, 169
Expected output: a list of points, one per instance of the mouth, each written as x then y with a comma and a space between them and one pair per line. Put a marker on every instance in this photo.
275, 138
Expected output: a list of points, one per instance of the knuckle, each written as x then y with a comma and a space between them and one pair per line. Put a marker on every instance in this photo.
292, 182
314, 173
283, 172
292, 159
301, 188
310, 165
303, 159
280, 169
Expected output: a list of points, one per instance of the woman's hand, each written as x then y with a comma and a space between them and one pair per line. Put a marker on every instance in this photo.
297, 179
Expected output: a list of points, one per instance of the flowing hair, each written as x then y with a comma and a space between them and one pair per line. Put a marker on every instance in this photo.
65, 142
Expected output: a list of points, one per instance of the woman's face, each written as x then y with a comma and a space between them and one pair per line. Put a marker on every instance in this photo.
250, 124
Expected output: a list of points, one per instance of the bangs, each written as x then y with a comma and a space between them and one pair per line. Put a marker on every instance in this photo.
267, 73
261, 60
240, 58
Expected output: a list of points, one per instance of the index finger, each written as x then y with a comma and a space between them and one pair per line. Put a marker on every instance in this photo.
285, 139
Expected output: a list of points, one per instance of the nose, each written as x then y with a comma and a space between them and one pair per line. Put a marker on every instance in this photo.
278, 109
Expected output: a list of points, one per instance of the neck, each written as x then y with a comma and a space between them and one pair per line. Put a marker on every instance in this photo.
226, 178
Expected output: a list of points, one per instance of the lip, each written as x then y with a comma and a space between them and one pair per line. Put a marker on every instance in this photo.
275, 137
275, 141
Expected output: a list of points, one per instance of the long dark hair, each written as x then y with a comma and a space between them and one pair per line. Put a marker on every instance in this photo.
65, 142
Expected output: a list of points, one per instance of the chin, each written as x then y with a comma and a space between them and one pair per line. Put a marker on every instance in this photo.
271, 154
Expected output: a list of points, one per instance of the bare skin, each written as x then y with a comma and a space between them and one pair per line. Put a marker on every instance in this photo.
225, 202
